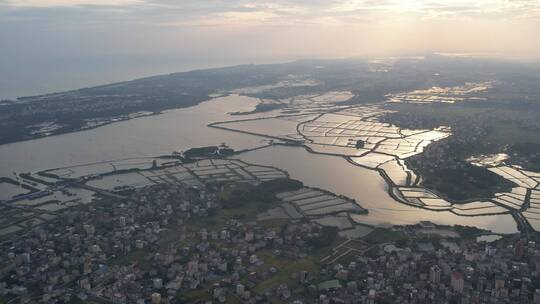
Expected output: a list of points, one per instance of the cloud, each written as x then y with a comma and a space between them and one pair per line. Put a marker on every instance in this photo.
67, 3
277, 12
293, 28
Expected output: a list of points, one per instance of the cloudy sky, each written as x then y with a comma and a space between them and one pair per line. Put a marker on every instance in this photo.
56, 44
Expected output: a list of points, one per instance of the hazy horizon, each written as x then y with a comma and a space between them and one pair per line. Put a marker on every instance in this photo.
53, 45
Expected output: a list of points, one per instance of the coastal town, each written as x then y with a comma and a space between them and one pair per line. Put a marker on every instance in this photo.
269, 152
186, 244
201, 228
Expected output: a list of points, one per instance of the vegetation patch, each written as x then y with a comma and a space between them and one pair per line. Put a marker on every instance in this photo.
468, 231
139, 256
526, 154
209, 151
238, 195
325, 237
443, 165
383, 235
460, 182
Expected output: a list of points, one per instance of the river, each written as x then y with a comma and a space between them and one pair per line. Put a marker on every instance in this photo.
145, 136
184, 128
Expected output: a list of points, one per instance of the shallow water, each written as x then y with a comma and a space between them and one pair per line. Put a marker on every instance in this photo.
185, 128
367, 187
145, 136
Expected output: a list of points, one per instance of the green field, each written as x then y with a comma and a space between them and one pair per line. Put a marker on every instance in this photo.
383, 235
139, 256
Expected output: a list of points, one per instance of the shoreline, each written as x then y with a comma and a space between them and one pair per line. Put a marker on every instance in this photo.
522, 224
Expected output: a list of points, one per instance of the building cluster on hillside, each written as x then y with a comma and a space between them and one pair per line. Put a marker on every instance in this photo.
161, 246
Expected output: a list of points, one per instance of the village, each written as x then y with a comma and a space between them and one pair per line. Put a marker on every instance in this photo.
185, 243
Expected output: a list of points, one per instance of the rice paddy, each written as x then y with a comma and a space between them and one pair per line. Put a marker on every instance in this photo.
357, 133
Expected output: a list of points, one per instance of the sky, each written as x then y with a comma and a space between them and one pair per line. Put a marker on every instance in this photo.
49, 45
